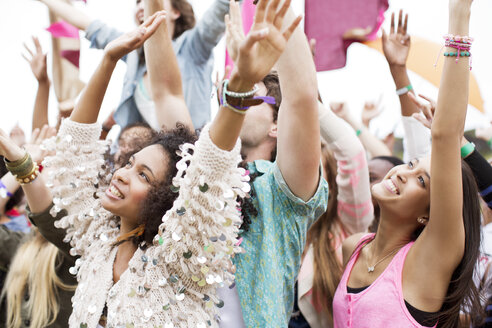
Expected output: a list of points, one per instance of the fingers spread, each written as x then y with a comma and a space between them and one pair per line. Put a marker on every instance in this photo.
28, 50
272, 11
405, 25
260, 11
392, 26
279, 19
292, 28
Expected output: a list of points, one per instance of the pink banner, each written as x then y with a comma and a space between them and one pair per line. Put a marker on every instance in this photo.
72, 56
63, 29
327, 20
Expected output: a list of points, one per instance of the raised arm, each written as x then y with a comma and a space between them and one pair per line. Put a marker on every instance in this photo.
87, 109
396, 48
445, 231
164, 74
256, 55
37, 61
68, 13
355, 207
298, 141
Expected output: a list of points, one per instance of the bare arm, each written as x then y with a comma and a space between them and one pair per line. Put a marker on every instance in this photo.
164, 74
37, 61
87, 109
447, 129
298, 141
396, 47
68, 13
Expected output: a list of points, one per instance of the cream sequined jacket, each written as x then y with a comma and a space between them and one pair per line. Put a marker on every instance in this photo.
173, 282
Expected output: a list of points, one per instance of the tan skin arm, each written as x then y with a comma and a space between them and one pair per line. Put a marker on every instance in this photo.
164, 75
396, 47
440, 248
298, 151
37, 61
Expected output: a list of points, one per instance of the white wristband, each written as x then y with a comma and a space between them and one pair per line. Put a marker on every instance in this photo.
404, 90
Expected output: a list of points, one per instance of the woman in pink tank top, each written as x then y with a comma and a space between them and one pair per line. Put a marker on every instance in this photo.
417, 270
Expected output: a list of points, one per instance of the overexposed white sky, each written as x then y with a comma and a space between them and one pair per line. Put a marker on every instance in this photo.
366, 76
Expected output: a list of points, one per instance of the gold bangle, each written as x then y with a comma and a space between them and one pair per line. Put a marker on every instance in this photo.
25, 168
16, 163
29, 178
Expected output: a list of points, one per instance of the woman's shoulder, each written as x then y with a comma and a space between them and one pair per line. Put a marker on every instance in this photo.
349, 245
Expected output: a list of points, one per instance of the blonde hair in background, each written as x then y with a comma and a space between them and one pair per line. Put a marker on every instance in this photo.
33, 267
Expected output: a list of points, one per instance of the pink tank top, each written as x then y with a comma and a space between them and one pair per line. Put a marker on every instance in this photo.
379, 305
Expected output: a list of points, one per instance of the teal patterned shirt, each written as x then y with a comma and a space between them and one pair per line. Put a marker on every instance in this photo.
267, 271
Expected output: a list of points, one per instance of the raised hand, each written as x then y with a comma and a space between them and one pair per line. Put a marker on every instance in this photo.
259, 51
341, 110
34, 147
396, 45
18, 136
9, 149
130, 41
427, 109
37, 61
370, 111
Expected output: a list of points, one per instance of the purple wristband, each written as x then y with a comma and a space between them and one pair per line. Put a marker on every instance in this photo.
7, 193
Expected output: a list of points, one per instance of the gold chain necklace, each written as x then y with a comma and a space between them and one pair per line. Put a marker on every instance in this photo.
370, 269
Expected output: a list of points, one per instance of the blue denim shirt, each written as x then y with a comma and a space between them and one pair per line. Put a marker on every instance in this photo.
194, 51
267, 270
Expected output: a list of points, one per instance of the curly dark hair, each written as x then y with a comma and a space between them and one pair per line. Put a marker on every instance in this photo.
16, 199
160, 198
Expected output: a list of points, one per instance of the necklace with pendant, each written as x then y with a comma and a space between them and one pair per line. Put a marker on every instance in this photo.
370, 269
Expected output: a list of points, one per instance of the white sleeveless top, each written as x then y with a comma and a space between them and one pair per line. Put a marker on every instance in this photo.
146, 106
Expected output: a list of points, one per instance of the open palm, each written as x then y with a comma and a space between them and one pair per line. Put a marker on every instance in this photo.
396, 45
257, 53
130, 41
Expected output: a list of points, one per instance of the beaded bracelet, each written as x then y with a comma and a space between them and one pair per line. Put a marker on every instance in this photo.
455, 54
4, 193
461, 43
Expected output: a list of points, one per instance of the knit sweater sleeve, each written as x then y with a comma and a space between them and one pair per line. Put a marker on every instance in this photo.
199, 233
73, 176
355, 208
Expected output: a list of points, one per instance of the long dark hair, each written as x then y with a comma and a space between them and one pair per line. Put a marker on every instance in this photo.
462, 292
327, 268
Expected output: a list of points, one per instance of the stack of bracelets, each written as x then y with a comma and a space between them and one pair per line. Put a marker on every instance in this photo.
25, 169
462, 44
241, 102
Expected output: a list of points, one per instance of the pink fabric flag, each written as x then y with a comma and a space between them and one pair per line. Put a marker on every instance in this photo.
72, 56
327, 20
63, 29
248, 13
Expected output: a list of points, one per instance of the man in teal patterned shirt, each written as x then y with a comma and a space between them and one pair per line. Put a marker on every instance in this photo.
289, 193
